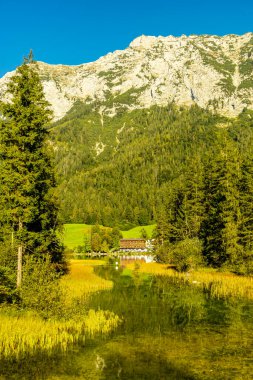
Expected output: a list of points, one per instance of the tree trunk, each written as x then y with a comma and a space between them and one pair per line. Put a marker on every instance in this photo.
20, 255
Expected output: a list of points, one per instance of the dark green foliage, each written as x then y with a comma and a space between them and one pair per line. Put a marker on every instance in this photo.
101, 239
40, 289
7, 285
186, 254
220, 226
212, 201
28, 205
185, 168
8, 270
163, 252
145, 150
104, 239
144, 234
246, 67
246, 83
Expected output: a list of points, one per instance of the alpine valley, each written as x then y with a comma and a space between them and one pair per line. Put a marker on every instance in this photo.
130, 128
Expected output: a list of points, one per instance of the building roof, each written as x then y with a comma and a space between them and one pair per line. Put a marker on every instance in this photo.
132, 239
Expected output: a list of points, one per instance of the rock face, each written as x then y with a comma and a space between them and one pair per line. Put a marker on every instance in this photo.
211, 71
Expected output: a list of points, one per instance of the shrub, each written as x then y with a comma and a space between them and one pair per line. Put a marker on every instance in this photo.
7, 285
244, 266
40, 288
163, 253
187, 254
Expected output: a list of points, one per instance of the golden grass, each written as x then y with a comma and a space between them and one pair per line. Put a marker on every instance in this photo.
224, 284
28, 333
81, 281
216, 283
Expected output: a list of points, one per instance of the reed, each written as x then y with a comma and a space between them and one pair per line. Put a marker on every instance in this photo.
29, 334
82, 281
223, 284
217, 284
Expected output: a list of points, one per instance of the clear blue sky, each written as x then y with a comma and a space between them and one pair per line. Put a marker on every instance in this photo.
78, 31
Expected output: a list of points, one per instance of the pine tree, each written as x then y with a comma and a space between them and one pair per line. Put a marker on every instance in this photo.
246, 204
162, 233
182, 217
29, 217
220, 228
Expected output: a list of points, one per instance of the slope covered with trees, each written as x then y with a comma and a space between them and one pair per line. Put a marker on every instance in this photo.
207, 211
144, 151
187, 169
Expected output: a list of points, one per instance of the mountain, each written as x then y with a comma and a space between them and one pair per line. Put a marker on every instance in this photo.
137, 123
209, 71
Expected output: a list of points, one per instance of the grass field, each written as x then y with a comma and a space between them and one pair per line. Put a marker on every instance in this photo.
217, 284
136, 232
24, 332
74, 233
82, 281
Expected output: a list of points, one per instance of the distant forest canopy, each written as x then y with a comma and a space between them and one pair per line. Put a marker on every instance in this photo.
120, 171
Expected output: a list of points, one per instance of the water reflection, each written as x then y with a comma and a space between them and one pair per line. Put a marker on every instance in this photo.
156, 303
170, 331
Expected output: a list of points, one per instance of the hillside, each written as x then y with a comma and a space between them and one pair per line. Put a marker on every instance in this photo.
143, 152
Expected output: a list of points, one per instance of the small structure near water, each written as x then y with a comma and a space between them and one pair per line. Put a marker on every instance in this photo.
136, 249
129, 249
139, 245
136, 245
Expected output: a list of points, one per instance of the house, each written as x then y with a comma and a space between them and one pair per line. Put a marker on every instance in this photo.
133, 245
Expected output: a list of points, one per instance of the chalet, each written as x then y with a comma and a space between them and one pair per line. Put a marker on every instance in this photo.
133, 245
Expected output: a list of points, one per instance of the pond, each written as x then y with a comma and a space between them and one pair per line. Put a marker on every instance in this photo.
169, 330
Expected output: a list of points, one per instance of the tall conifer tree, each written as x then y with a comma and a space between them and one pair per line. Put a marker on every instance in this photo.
246, 206
29, 210
222, 212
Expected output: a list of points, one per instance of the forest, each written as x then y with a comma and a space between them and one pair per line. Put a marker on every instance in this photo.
188, 169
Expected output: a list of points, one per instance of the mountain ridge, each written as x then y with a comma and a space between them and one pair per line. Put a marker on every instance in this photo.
213, 72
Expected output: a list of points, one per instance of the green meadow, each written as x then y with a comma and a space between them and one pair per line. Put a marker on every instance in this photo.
73, 234
136, 232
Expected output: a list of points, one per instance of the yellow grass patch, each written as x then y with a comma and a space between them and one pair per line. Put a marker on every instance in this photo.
81, 281
218, 284
28, 333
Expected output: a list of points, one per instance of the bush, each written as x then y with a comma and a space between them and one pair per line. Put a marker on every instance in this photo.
40, 288
242, 267
187, 254
163, 253
7, 285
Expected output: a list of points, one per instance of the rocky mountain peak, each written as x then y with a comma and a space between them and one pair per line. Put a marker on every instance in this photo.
211, 71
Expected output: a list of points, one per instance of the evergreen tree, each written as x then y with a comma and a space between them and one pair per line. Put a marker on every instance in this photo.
220, 228
29, 217
163, 228
87, 244
184, 205
246, 220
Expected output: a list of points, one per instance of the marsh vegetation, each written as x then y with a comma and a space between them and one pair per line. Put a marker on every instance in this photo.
159, 325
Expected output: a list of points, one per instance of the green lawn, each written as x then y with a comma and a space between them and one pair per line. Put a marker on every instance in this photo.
74, 233
136, 231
